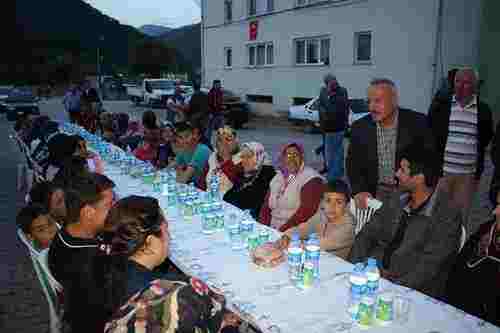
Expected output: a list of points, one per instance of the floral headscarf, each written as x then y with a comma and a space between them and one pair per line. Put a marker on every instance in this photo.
282, 164
260, 153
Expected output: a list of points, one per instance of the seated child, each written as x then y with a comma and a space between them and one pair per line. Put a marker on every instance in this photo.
37, 225
335, 227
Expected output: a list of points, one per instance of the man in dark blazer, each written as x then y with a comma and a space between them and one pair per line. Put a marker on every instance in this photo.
378, 140
415, 243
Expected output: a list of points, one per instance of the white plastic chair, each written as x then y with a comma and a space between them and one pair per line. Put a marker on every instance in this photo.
362, 216
463, 238
51, 288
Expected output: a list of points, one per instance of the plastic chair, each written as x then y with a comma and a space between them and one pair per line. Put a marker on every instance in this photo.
463, 238
50, 286
362, 216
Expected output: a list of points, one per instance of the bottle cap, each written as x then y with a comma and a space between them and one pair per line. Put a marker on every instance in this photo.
372, 262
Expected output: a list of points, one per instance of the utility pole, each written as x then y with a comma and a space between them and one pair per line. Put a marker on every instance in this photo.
101, 39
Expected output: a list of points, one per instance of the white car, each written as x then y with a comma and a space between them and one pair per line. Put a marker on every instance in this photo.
358, 108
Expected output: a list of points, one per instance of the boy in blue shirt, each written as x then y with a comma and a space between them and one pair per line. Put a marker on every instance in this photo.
192, 156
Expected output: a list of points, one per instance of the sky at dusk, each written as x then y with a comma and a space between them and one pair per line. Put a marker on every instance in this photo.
170, 13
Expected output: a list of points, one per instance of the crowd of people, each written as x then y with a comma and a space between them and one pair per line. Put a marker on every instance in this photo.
110, 254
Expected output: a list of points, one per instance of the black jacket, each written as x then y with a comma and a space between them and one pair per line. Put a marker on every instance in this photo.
333, 111
475, 290
429, 247
73, 263
439, 121
252, 197
362, 156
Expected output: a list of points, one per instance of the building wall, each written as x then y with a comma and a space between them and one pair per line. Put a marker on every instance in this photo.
460, 36
490, 54
403, 44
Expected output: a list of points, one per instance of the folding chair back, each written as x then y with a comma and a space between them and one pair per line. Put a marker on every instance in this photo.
362, 216
51, 288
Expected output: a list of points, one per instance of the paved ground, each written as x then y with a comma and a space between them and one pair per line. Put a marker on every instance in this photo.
23, 307
22, 304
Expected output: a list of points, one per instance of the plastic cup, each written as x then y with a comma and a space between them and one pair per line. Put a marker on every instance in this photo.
385, 308
253, 241
402, 307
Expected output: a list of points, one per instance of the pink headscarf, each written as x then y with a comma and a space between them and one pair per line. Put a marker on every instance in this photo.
281, 162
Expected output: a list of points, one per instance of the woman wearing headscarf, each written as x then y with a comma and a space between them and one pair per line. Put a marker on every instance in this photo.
252, 183
294, 193
223, 162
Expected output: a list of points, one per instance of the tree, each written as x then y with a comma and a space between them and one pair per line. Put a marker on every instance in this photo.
152, 57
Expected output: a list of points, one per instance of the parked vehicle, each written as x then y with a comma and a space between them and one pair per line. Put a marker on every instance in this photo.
152, 92
20, 101
236, 112
4, 94
308, 113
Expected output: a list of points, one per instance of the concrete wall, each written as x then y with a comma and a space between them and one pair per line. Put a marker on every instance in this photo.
490, 55
403, 37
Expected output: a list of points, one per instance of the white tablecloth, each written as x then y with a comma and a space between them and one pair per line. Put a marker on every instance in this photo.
318, 309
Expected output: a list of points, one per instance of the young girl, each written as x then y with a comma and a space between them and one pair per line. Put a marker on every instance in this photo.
93, 160
335, 226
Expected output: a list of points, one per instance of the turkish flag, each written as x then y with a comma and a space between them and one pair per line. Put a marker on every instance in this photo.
252, 30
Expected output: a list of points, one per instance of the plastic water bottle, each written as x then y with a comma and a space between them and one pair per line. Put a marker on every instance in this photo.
214, 187
357, 290
373, 276
312, 253
295, 259
247, 225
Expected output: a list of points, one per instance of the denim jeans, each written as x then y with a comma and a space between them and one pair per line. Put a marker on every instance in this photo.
334, 148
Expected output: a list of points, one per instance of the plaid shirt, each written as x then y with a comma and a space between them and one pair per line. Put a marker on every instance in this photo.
386, 150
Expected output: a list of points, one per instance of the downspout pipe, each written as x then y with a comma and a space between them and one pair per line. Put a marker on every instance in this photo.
438, 61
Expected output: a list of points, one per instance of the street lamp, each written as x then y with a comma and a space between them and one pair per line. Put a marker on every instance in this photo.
101, 39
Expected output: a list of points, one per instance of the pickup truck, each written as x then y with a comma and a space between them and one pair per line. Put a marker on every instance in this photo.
152, 92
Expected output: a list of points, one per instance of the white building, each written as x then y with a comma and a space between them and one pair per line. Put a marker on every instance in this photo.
413, 42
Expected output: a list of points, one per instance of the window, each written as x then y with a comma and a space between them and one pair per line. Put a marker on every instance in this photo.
300, 3
228, 57
258, 7
261, 54
228, 11
251, 56
312, 51
363, 47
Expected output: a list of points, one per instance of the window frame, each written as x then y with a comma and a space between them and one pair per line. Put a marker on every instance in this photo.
226, 50
270, 7
255, 47
319, 51
228, 8
357, 34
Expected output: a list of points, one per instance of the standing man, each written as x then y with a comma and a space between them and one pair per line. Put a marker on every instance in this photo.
215, 108
71, 103
463, 128
197, 112
378, 140
333, 118
175, 105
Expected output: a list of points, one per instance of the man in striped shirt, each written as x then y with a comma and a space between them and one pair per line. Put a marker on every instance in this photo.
463, 128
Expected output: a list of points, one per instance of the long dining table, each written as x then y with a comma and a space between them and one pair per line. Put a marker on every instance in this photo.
267, 299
